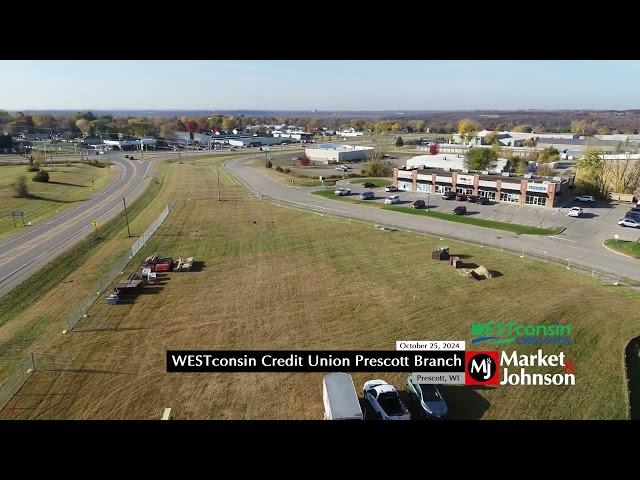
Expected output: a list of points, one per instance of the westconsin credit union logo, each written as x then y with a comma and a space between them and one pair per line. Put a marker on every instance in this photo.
500, 333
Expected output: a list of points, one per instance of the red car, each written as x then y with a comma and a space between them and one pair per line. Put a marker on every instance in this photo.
163, 265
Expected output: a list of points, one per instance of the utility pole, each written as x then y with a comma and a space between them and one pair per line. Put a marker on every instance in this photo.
126, 216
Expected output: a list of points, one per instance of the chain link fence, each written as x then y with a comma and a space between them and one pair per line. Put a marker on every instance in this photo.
18, 376
117, 267
16, 379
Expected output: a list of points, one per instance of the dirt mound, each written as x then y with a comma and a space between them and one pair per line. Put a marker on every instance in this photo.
479, 273
483, 272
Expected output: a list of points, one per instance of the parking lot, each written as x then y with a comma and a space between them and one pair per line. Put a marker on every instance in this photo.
600, 219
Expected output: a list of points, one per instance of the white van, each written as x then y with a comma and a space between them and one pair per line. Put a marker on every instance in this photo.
340, 398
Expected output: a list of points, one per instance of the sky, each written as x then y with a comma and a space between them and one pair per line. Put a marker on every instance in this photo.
320, 84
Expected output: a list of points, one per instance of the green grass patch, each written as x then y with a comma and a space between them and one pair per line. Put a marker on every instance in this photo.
629, 248
378, 182
67, 185
508, 227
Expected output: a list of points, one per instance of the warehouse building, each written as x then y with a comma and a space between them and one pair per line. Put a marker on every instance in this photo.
332, 153
505, 187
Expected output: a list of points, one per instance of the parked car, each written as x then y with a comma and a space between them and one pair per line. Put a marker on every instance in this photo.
428, 397
418, 204
460, 210
342, 191
369, 185
629, 222
472, 198
632, 214
367, 196
635, 208
385, 401
585, 198
449, 195
575, 212
390, 188
483, 201
391, 199
461, 197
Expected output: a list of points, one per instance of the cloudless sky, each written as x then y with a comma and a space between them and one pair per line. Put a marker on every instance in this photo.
325, 85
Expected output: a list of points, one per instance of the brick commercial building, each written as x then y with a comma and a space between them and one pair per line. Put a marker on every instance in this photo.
507, 188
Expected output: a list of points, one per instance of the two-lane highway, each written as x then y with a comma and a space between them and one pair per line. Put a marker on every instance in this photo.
589, 249
22, 255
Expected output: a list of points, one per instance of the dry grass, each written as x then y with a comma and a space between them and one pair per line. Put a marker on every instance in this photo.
68, 184
282, 279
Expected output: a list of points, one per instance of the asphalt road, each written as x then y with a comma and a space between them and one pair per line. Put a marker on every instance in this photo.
571, 244
23, 254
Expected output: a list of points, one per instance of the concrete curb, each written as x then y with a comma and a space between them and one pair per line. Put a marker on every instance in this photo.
616, 252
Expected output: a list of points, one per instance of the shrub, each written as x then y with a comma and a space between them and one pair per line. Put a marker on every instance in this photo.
20, 188
41, 176
399, 142
33, 168
287, 170
304, 160
279, 168
268, 164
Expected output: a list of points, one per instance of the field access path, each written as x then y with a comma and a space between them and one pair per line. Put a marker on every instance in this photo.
588, 250
21, 255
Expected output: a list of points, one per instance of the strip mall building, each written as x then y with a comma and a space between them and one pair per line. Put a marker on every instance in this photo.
508, 188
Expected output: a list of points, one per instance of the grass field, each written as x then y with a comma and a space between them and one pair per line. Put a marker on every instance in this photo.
378, 182
509, 227
274, 279
631, 249
32, 314
67, 185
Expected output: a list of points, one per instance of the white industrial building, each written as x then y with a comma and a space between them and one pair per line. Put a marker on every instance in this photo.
350, 132
331, 153
446, 161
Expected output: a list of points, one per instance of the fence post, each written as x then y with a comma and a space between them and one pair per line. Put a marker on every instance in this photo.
33, 362
568, 265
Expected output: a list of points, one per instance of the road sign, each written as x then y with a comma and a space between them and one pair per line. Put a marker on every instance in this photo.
17, 214
94, 223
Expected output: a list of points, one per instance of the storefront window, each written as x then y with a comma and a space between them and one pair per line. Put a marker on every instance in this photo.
465, 190
509, 197
423, 187
490, 194
536, 200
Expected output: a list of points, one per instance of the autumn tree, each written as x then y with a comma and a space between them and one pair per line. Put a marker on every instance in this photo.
481, 159
549, 155
522, 129
578, 127
467, 129
590, 171
434, 148
304, 160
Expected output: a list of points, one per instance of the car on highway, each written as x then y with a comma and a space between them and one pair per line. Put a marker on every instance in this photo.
448, 195
390, 188
342, 191
575, 212
367, 196
391, 199
428, 397
418, 204
384, 400
483, 201
629, 222
472, 198
460, 210
461, 197
585, 198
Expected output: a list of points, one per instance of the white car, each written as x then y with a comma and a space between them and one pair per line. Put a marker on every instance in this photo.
629, 222
385, 401
575, 212
391, 199
342, 191
390, 188
585, 198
